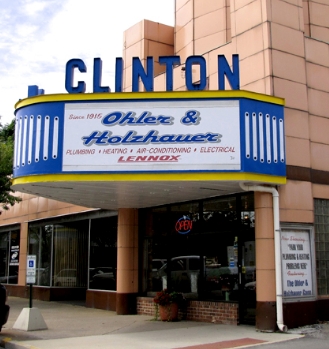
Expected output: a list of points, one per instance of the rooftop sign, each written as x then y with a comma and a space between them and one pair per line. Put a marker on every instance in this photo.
77, 67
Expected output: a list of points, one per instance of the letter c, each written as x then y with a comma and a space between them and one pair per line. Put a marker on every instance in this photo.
70, 66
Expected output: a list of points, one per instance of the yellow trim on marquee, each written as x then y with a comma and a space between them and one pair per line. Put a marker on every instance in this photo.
155, 177
74, 97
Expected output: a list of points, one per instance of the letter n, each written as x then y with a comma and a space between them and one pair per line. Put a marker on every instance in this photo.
233, 76
139, 72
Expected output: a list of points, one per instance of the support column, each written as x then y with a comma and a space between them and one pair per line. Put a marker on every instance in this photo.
23, 253
127, 262
265, 263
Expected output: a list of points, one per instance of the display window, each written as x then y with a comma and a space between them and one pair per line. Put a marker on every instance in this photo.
9, 256
66, 250
40, 245
103, 253
204, 249
61, 251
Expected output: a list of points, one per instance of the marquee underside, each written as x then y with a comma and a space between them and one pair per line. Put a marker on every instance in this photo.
115, 194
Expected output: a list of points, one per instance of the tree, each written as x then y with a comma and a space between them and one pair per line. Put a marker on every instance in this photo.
7, 135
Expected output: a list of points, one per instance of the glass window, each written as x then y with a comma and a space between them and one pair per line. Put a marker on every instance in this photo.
40, 245
9, 256
70, 257
103, 253
62, 253
155, 247
202, 244
321, 208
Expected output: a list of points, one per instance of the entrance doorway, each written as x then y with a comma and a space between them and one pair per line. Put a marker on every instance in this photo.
206, 250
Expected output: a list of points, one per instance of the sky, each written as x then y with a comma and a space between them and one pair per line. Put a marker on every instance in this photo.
38, 37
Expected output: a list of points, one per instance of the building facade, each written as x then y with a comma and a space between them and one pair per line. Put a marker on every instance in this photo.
249, 240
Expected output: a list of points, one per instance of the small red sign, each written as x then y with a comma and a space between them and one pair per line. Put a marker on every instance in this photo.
184, 225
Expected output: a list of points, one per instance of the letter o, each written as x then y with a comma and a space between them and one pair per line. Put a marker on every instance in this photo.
114, 140
112, 118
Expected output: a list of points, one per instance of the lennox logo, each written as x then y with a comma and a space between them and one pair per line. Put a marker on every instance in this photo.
151, 158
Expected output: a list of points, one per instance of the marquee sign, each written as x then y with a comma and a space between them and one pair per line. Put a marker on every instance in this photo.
207, 131
150, 132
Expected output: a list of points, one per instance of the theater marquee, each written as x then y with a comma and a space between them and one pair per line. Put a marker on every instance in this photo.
169, 132
206, 131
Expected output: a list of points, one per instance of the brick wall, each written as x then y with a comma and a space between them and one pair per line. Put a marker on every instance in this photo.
216, 312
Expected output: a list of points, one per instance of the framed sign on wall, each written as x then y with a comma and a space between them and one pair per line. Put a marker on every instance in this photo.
297, 261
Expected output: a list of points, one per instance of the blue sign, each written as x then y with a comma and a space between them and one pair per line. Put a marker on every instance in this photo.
146, 76
208, 131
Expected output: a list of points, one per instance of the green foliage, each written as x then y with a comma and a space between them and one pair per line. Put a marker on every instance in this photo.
165, 297
7, 134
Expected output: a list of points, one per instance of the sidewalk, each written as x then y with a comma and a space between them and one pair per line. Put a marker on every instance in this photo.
75, 326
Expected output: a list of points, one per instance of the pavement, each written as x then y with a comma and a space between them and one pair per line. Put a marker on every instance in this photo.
75, 326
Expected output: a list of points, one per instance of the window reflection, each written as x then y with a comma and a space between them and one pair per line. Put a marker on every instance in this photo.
9, 256
70, 254
62, 253
103, 253
204, 262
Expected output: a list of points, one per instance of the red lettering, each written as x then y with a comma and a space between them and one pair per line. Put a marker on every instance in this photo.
183, 225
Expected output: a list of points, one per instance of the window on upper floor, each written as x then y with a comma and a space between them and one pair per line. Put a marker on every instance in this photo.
321, 209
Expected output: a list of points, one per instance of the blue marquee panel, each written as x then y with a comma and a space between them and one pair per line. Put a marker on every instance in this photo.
263, 138
39, 139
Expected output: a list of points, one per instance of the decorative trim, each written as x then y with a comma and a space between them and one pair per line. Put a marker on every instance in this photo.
306, 174
155, 177
74, 97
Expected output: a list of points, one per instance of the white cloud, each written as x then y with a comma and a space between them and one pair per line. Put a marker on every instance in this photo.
25, 30
38, 37
32, 7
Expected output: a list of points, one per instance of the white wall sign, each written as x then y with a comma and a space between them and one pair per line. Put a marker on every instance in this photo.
167, 135
296, 259
14, 255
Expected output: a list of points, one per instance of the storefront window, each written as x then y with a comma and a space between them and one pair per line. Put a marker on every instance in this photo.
199, 248
103, 253
40, 239
9, 256
70, 254
62, 253
155, 247
322, 245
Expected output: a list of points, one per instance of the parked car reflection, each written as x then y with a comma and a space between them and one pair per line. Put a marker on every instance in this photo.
10, 279
221, 282
184, 270
66, 278
102, 278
